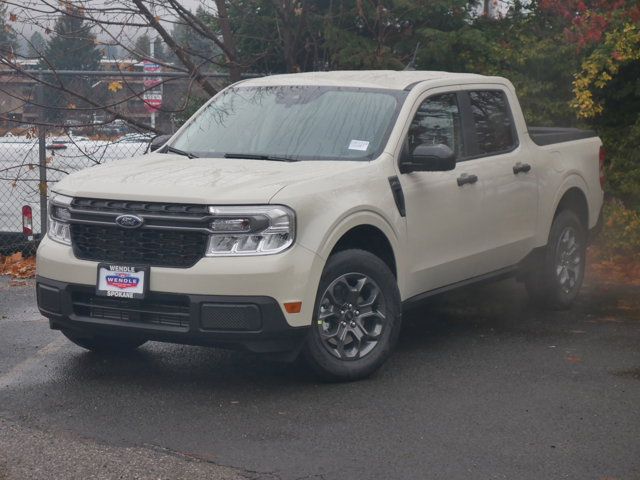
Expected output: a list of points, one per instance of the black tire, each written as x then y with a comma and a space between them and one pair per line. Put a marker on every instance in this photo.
544, 282
103, 343
377, 336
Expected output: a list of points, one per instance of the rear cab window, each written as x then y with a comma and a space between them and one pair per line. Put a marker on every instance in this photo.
494, 129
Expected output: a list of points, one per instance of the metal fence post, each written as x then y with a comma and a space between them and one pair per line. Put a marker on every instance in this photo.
42, 156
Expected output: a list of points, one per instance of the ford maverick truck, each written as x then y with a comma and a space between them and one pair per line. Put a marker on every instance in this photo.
298, 214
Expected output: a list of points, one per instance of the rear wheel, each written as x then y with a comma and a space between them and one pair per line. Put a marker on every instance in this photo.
556, 280
357, 317
103, 343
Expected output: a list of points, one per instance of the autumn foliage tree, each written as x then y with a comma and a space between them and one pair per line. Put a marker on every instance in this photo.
8, 43
606, 35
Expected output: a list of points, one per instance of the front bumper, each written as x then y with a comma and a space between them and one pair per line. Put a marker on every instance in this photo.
255, 323
290, 276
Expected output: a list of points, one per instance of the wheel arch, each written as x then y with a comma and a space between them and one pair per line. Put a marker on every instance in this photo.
572, 194
357, 230
574, 199
370, 239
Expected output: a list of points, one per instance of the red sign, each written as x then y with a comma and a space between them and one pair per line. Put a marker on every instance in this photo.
150, 82
150, 67
152, 101
152, 98
122, 281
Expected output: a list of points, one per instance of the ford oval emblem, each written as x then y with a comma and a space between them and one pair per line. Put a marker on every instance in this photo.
129, 221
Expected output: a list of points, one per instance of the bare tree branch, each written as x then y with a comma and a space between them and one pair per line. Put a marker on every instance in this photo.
177, 49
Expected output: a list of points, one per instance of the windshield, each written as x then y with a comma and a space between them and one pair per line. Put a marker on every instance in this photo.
293, 122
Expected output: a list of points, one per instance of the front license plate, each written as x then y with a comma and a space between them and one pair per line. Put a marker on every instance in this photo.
122, 281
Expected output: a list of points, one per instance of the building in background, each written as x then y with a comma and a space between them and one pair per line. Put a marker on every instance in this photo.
19, 109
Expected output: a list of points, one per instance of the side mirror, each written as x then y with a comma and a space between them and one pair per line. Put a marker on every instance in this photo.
429, 158
157, 141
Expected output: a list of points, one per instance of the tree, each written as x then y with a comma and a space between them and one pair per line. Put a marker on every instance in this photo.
8, 41
142, 49
201, 49
73, 45
37, 45
606, 34
540, 46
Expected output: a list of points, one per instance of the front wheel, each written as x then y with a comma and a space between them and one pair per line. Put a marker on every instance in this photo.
357, 317
103, 343
556, 280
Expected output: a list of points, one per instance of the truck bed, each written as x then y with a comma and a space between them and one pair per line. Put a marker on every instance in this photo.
550, 135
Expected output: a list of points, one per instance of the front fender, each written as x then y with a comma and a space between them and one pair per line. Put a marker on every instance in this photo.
330, 236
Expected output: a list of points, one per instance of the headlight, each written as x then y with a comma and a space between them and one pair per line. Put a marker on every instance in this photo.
59, 216
251, 230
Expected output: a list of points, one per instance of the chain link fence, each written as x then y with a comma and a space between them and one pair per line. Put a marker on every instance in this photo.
48, 133
25, 184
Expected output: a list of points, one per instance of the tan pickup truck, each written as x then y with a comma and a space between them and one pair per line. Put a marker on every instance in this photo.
298, 214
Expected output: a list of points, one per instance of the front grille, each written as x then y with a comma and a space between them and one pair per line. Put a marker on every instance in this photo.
160, 248
152, 311
173, 235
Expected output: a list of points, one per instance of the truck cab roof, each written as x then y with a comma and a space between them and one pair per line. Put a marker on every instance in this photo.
386, 79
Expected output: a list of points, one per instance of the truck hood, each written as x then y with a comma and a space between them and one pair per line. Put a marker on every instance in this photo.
175, 178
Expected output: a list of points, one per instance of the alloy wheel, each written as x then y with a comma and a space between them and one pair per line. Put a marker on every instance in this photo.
351, 316
568, 259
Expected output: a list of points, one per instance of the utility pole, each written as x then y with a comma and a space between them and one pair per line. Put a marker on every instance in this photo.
152, 54
42, 158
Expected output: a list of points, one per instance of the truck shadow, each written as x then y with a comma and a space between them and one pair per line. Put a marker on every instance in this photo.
433, 328
500, 307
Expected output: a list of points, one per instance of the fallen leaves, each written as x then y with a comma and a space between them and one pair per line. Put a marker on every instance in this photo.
17, 266
613, 270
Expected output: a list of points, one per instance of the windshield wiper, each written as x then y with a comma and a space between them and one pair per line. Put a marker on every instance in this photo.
169, 148
253, 156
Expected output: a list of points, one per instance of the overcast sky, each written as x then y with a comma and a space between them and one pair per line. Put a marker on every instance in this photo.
26, 21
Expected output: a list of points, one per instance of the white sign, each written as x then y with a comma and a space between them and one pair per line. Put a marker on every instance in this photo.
121, 282
361, 145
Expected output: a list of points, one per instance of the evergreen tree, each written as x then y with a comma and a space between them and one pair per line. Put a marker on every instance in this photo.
37, 45
73, 45
202, 49
141, 47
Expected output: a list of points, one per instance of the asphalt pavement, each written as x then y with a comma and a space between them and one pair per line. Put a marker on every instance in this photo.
482, 386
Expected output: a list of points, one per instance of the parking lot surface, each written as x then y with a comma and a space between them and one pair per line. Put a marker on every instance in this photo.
482, 386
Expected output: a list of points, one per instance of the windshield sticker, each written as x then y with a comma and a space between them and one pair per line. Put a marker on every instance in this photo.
361, 145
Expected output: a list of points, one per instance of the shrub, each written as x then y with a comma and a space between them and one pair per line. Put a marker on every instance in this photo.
621, 233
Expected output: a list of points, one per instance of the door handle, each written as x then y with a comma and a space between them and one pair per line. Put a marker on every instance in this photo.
464, 179
521, 168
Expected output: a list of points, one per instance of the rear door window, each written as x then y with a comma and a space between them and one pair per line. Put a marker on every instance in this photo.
494, 128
